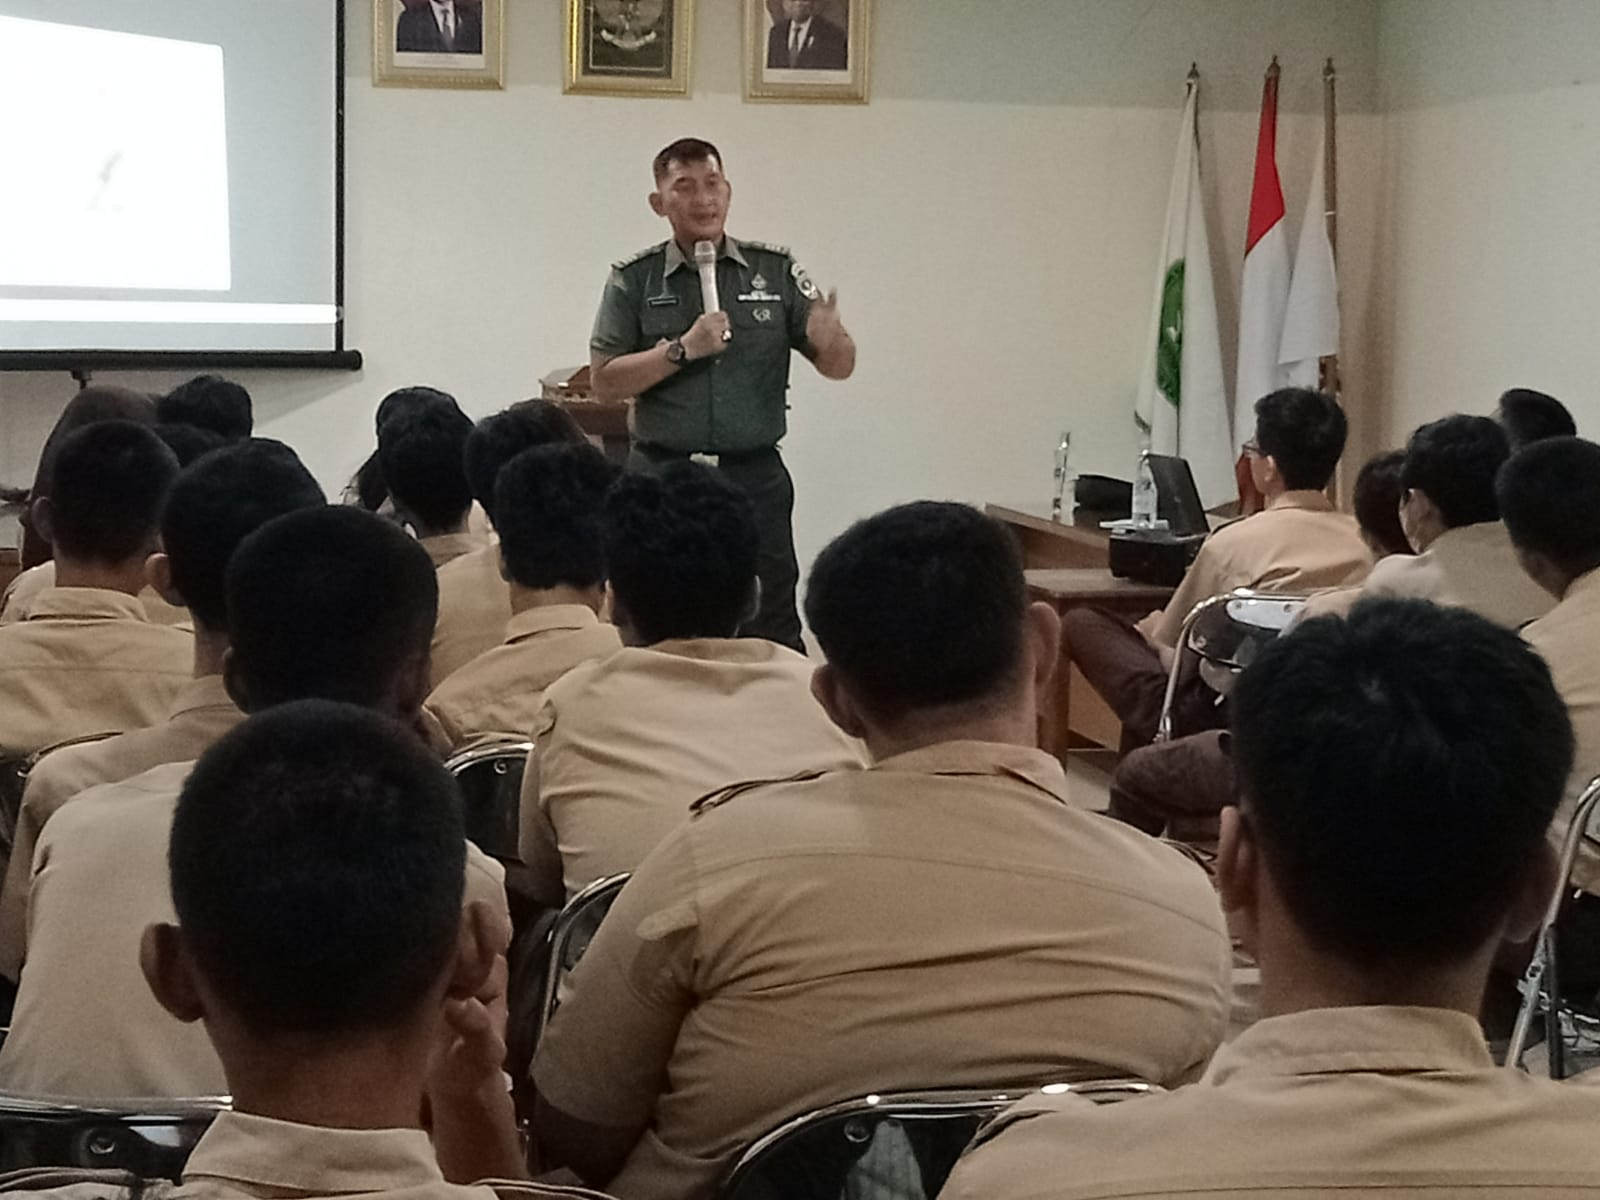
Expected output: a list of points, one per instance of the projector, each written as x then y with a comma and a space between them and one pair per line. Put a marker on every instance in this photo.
1153, 556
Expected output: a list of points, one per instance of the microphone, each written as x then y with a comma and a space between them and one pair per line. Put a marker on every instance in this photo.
705, 259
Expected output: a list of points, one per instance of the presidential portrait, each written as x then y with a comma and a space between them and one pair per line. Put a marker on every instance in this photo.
438, 43
439, 27
806, 49
809, 35
619, 47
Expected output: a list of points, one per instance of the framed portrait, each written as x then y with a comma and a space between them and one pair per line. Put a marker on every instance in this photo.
807, 50
438, 43
629, 47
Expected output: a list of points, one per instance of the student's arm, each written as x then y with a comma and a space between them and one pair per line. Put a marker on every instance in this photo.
536, 836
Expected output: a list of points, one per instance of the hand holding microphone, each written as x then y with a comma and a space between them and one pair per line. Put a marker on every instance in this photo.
705, 261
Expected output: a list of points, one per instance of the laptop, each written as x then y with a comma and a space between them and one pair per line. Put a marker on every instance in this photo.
1177, 498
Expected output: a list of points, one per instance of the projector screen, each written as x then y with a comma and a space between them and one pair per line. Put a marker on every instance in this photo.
173, 180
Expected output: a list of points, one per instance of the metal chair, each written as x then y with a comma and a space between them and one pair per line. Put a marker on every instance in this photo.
915, 1137
1540, 983
570, 936
490, 779
148, 1138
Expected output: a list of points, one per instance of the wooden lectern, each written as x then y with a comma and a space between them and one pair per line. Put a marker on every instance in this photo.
605, 421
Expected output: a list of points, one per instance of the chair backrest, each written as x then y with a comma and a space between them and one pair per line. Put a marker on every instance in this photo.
1227, 631
906, 1143
150, 1139
571, 934
490, 779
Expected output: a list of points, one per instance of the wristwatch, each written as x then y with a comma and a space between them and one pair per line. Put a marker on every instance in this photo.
677, 354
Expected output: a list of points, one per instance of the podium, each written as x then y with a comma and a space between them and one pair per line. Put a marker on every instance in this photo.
604, 421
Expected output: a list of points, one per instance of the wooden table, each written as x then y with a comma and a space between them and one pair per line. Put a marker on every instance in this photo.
1079, 542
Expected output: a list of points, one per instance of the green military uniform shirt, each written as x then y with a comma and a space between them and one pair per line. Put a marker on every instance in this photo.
736, 400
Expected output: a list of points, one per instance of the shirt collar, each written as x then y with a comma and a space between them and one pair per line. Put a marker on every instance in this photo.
1479, 533
723, 650
1379, 1039
312, 1160
79, 603
1585, 586
1305, 498
207, 691
730, 249
1035, 767
547, 618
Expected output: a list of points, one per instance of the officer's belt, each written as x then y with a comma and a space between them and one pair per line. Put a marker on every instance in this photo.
711, 458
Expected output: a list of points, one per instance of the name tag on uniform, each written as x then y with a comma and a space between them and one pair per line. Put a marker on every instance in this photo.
663, 301
760, 298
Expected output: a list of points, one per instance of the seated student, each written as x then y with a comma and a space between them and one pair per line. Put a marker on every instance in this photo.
548, 503
1375, 500
331, 603
420, 451
212, 403
1527, 416
1298, 544
1390, 832
624, 746
944, 918
1451, 517
214, 506
474, 600
85, 659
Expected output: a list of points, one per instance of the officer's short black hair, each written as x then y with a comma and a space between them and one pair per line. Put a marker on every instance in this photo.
317, 865
108, 483
684, 151
499, 438
1454, 461
681, 548
188, 442
1376, 500
219, 501
1303, 431
328, 603
547, 504
209, 402
422, 454
1549, 494
1528, 416
919, 607
1399, 769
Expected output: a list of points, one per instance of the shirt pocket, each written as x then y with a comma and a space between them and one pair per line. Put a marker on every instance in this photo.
667, 321
759, 319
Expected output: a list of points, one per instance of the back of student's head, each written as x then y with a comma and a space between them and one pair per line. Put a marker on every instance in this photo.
1303, 432
209, 402
217, 503
90, 406
329, 603
1549, 495
1376, 500
1399, 770
421, 453
107, 487
547, 503
1529, 416
188, 442
920, 607
681, 549
499, 438
1453, 461
317, 861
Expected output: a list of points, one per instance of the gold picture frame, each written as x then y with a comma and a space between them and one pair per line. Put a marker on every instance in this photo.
629, 47
828, 51
411, 48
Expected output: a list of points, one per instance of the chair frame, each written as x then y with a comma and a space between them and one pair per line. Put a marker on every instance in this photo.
507, 750
132, 1113
560, 939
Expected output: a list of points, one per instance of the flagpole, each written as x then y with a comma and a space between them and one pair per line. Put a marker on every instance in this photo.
1330, 185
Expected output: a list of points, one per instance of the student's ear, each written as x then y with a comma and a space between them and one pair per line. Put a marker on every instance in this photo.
836, 701
656, 206
500, 561
413, 683
1041, 633
169, 970
485, 938
158, 573
1544, 872
1238, 884
233, 681
43, 516
752, 604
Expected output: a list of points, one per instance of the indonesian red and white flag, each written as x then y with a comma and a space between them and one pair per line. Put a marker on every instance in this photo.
1311, 318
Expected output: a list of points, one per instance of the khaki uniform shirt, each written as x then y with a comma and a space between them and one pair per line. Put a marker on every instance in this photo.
85, 1022
474, 606
26, 587
735, 401
1472, 567
84, 661
501, 690
1568, 638
624, 746
447, 547
1334, 1102
943, 919
200, 716
1297, 544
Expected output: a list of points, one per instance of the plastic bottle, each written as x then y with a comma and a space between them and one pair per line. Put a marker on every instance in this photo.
1145, 499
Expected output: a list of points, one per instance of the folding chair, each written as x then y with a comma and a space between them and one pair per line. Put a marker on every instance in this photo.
148, 1138
490, 779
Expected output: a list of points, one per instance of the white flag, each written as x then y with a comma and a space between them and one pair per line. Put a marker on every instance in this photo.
1311, 320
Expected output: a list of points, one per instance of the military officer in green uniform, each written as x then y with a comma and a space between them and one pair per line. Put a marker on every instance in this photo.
711, 386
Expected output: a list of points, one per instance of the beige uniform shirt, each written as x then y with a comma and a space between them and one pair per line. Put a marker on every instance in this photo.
1472, 567
202, 713
1297, 544
26, 587
501, 690
943, 919
447, 547
1339, 1102
85, 1022
83, 661
474, 606
1568, 638
624, 746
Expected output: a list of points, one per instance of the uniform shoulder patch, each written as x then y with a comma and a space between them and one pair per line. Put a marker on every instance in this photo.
622, 263
722, 795
769, 247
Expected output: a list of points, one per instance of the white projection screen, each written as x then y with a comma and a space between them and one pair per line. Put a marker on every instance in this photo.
173, 182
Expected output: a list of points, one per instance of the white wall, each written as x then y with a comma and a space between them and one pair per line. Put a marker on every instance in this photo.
990, 219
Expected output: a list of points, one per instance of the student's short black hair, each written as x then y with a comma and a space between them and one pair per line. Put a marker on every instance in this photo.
1376, 500
681, 549
218, 502
368, 486
317, 862
188, 442
107, 486
1528, 416
1400, 769
547, 503
328, 603
209, 402
1454, 461
686, 151
920, 606
422, 456
499, 438
1549, 495
1303, 431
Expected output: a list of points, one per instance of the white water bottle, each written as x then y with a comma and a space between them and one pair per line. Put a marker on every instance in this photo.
1145, 499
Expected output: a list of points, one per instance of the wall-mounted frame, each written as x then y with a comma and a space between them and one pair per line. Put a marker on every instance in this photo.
815, 51
629, 47
438, 43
